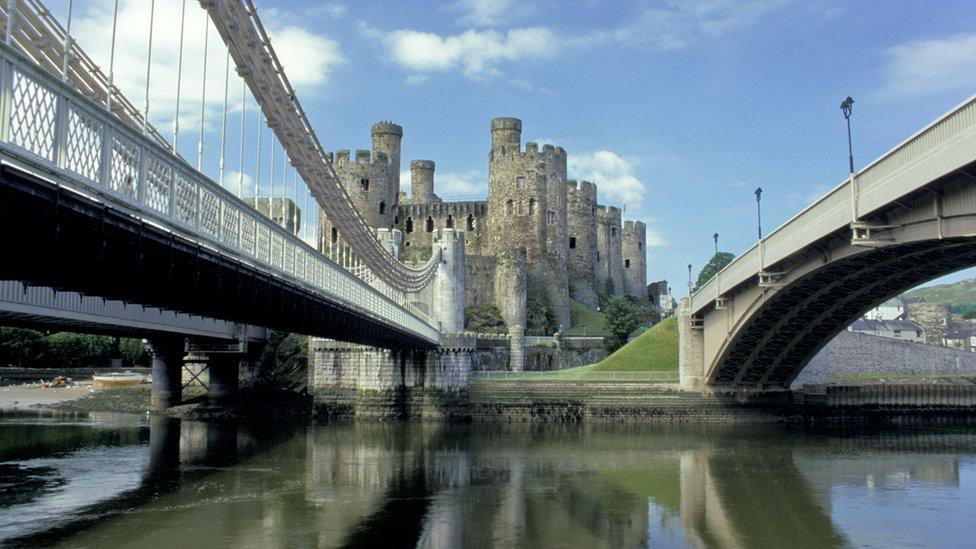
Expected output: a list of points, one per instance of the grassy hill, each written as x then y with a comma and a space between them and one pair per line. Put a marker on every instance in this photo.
586, 321
655, 350
960, 295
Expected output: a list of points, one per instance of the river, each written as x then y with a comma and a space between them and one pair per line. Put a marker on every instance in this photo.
120, 480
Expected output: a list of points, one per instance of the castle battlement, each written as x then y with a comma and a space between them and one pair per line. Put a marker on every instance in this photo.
634, 226
477, 207
582, 189
363, 156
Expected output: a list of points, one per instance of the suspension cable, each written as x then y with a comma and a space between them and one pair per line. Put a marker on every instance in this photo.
257, 167
145, 111
223, 124
111, 61
66, 46
179, 81
203, 94
240, 176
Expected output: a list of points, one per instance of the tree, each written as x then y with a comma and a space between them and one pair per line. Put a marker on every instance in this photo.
714, 265
620, 319
19, 346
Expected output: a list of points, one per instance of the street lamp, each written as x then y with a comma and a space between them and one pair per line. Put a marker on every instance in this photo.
689, 280
847, 107
715, 238
758, 193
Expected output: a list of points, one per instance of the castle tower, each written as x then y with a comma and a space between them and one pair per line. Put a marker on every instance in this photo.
609, 264
422, 182
372, 180
557, 241
635, 259
581, 214
517, 209
386, 139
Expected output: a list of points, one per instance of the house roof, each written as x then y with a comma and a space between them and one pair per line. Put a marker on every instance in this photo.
870, 325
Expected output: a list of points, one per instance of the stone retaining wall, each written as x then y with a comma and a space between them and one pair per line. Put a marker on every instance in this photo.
852, 353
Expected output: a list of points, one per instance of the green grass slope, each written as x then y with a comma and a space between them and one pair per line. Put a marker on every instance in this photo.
655, 350
959, 294
586, 321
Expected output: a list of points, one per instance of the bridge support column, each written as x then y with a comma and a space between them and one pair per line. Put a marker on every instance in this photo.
167, 367
225, 369
691, 366
448, 297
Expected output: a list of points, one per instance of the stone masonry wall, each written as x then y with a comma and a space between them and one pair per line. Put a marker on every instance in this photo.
414, 220
853, 353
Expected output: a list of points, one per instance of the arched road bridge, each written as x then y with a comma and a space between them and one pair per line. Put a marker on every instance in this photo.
906, 218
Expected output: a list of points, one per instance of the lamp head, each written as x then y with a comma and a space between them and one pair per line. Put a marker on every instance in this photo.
847, 107
758, 193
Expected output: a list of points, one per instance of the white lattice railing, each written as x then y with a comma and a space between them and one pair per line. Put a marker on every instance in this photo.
47, 124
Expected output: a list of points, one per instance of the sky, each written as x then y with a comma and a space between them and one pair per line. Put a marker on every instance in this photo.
677, 109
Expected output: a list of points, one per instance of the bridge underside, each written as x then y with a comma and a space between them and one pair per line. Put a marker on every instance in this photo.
801, 318
63, 240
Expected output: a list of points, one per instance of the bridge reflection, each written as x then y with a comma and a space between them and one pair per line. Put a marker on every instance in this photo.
429, 485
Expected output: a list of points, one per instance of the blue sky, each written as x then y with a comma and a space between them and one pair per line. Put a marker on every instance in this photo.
677, 109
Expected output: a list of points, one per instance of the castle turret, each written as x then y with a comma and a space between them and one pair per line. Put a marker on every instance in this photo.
506, 133
581, 206
386, 139
557, 241
422, 182
635, 259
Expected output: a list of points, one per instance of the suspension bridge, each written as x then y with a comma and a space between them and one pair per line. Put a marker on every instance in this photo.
110, 229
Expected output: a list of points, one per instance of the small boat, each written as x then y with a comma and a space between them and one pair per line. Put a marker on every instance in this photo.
124, 379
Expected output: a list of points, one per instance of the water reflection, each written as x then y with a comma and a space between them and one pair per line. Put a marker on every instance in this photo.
427, 485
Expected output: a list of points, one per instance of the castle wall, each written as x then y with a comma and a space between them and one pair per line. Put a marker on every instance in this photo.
479, 280
557, 241
412, 221
582, 238
635, 258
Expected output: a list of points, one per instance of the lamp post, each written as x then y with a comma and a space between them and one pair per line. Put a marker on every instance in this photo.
758, 193
689, 280
715, 238
847, 107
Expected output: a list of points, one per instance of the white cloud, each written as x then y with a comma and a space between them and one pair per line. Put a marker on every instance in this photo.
232, 182
676, 24
489, 13
923, 67
476, 53
416, 79
654, 239
613, 175
453, 185
308, 58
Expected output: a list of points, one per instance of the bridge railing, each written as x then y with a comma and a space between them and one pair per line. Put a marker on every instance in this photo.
881, 182
48, 125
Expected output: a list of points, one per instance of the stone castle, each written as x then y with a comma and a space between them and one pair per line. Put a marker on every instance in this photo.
535, 242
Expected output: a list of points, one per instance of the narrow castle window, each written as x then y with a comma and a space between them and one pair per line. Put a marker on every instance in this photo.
598, 257
382, 207
508, 207
450, 222
626, 264
519, 182
572, 242
531, 206
613, 231
430, 224
550, 217
364, 184
409, 225
640, 245
335, 235
470, 222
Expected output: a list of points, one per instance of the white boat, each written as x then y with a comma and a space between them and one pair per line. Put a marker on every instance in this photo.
123, 379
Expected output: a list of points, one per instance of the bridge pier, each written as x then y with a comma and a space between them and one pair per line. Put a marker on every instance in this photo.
167, 366
224, 371
691, 340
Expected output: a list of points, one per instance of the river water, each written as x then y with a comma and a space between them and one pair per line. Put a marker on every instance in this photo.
126, 481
